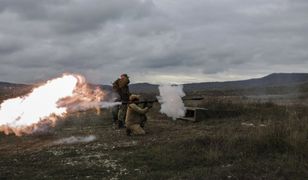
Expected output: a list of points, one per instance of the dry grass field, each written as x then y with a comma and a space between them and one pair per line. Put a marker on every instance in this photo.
266, 140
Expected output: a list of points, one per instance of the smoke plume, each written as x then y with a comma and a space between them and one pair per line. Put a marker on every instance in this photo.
75, 139
171, 100
43, 106
106, 104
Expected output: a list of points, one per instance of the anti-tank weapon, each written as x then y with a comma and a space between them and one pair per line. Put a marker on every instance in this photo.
156, 100
149, 104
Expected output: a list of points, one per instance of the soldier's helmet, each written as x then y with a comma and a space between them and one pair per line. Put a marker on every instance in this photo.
124, 75
134, 97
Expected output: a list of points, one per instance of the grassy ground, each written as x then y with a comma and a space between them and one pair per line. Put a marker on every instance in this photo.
265, 141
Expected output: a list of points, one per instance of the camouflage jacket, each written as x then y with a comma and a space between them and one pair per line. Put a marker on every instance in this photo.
135, 114
122, 89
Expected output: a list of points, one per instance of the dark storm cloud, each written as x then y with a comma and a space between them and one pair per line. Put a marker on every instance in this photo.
9, 47
75, 16
157, 41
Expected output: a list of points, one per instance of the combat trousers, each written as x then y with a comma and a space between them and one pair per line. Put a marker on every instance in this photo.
115, 112
122, 115
136, 129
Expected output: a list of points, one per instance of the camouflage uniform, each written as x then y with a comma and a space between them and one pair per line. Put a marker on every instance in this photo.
134, 118
119, 112
115, 112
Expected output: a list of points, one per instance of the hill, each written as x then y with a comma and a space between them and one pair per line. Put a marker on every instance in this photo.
7, 85
9, 90
272, 82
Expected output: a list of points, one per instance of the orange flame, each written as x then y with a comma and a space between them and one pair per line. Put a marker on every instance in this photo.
25, 115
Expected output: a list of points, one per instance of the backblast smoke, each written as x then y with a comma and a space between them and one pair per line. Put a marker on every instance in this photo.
171, 100
46, 103
75, 139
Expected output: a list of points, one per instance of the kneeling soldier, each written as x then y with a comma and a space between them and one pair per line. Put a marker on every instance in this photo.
135, 116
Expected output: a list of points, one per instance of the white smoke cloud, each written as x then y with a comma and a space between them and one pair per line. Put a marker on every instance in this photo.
83, 106
171, 100
74, 140
106, 104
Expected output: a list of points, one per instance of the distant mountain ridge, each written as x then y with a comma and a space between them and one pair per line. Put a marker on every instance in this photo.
272, 80
6, 86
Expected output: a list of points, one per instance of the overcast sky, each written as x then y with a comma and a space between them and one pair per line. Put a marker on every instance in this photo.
155, 41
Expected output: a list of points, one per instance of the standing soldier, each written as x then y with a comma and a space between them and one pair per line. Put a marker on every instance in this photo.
120, 86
